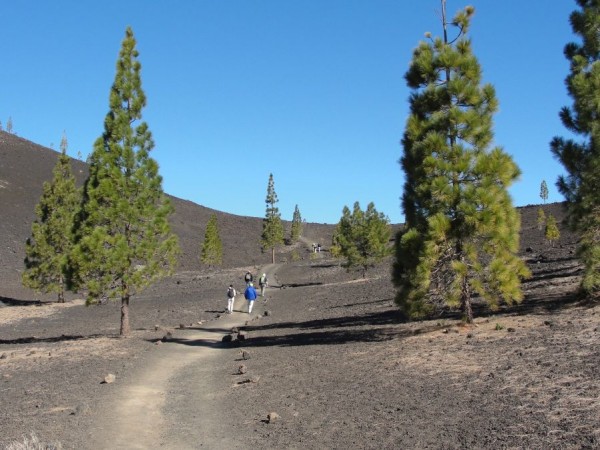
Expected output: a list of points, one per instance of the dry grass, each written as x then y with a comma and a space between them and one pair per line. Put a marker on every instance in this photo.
32, 442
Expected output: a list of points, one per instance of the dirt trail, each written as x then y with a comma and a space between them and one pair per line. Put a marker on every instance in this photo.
172, 400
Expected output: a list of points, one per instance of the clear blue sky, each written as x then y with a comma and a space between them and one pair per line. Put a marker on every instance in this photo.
309, 90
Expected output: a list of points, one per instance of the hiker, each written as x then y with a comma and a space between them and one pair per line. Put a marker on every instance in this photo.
250, 294
262, 281
318, 248
230, 298
248, 278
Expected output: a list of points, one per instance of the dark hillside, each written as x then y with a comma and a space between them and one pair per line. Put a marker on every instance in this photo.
24, 166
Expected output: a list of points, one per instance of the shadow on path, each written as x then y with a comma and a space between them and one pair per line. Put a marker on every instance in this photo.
209, 343
33, 339
391, 316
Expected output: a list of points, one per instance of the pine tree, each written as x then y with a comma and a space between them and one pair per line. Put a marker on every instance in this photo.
581, 158
272, 234
296, 226
541, 219
48, 248
124, 238
544, 191
462, 231
212, 248
9, 125
362, 237
551, 233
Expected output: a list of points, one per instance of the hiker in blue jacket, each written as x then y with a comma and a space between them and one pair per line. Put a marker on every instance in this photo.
250, 294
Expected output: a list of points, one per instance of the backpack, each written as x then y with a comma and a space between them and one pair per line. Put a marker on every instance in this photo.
230, 292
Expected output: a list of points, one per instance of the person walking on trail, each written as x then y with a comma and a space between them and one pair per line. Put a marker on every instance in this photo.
250, 294
248, 278
230, 298
262, 282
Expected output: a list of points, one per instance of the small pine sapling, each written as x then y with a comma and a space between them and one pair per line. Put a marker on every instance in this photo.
541, 219
552, 233
212, 247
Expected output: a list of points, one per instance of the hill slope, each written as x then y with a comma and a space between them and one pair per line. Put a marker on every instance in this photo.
24, 166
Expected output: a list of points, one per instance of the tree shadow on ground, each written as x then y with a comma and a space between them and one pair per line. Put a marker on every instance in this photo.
339, 336
372, 302
560, 259
296, 285
385, 326
62, 338
373, 319
548, 274
194, 342
538, 303
14, 302
212, 330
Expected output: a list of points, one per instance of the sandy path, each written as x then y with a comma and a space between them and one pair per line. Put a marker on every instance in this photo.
172, 401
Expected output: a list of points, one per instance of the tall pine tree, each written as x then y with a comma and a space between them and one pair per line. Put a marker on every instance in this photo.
296, 231
581, 157
124, 238
544, 191
51, 242
273, 233
462, 231
212, 247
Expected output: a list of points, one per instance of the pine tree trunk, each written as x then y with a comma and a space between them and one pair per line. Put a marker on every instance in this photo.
273, 255
466, 306
61, 291
125, 328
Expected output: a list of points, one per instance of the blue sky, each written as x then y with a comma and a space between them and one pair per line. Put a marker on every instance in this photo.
311, 91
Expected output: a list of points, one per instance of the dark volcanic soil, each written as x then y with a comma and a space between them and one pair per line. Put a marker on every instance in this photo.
333, 359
